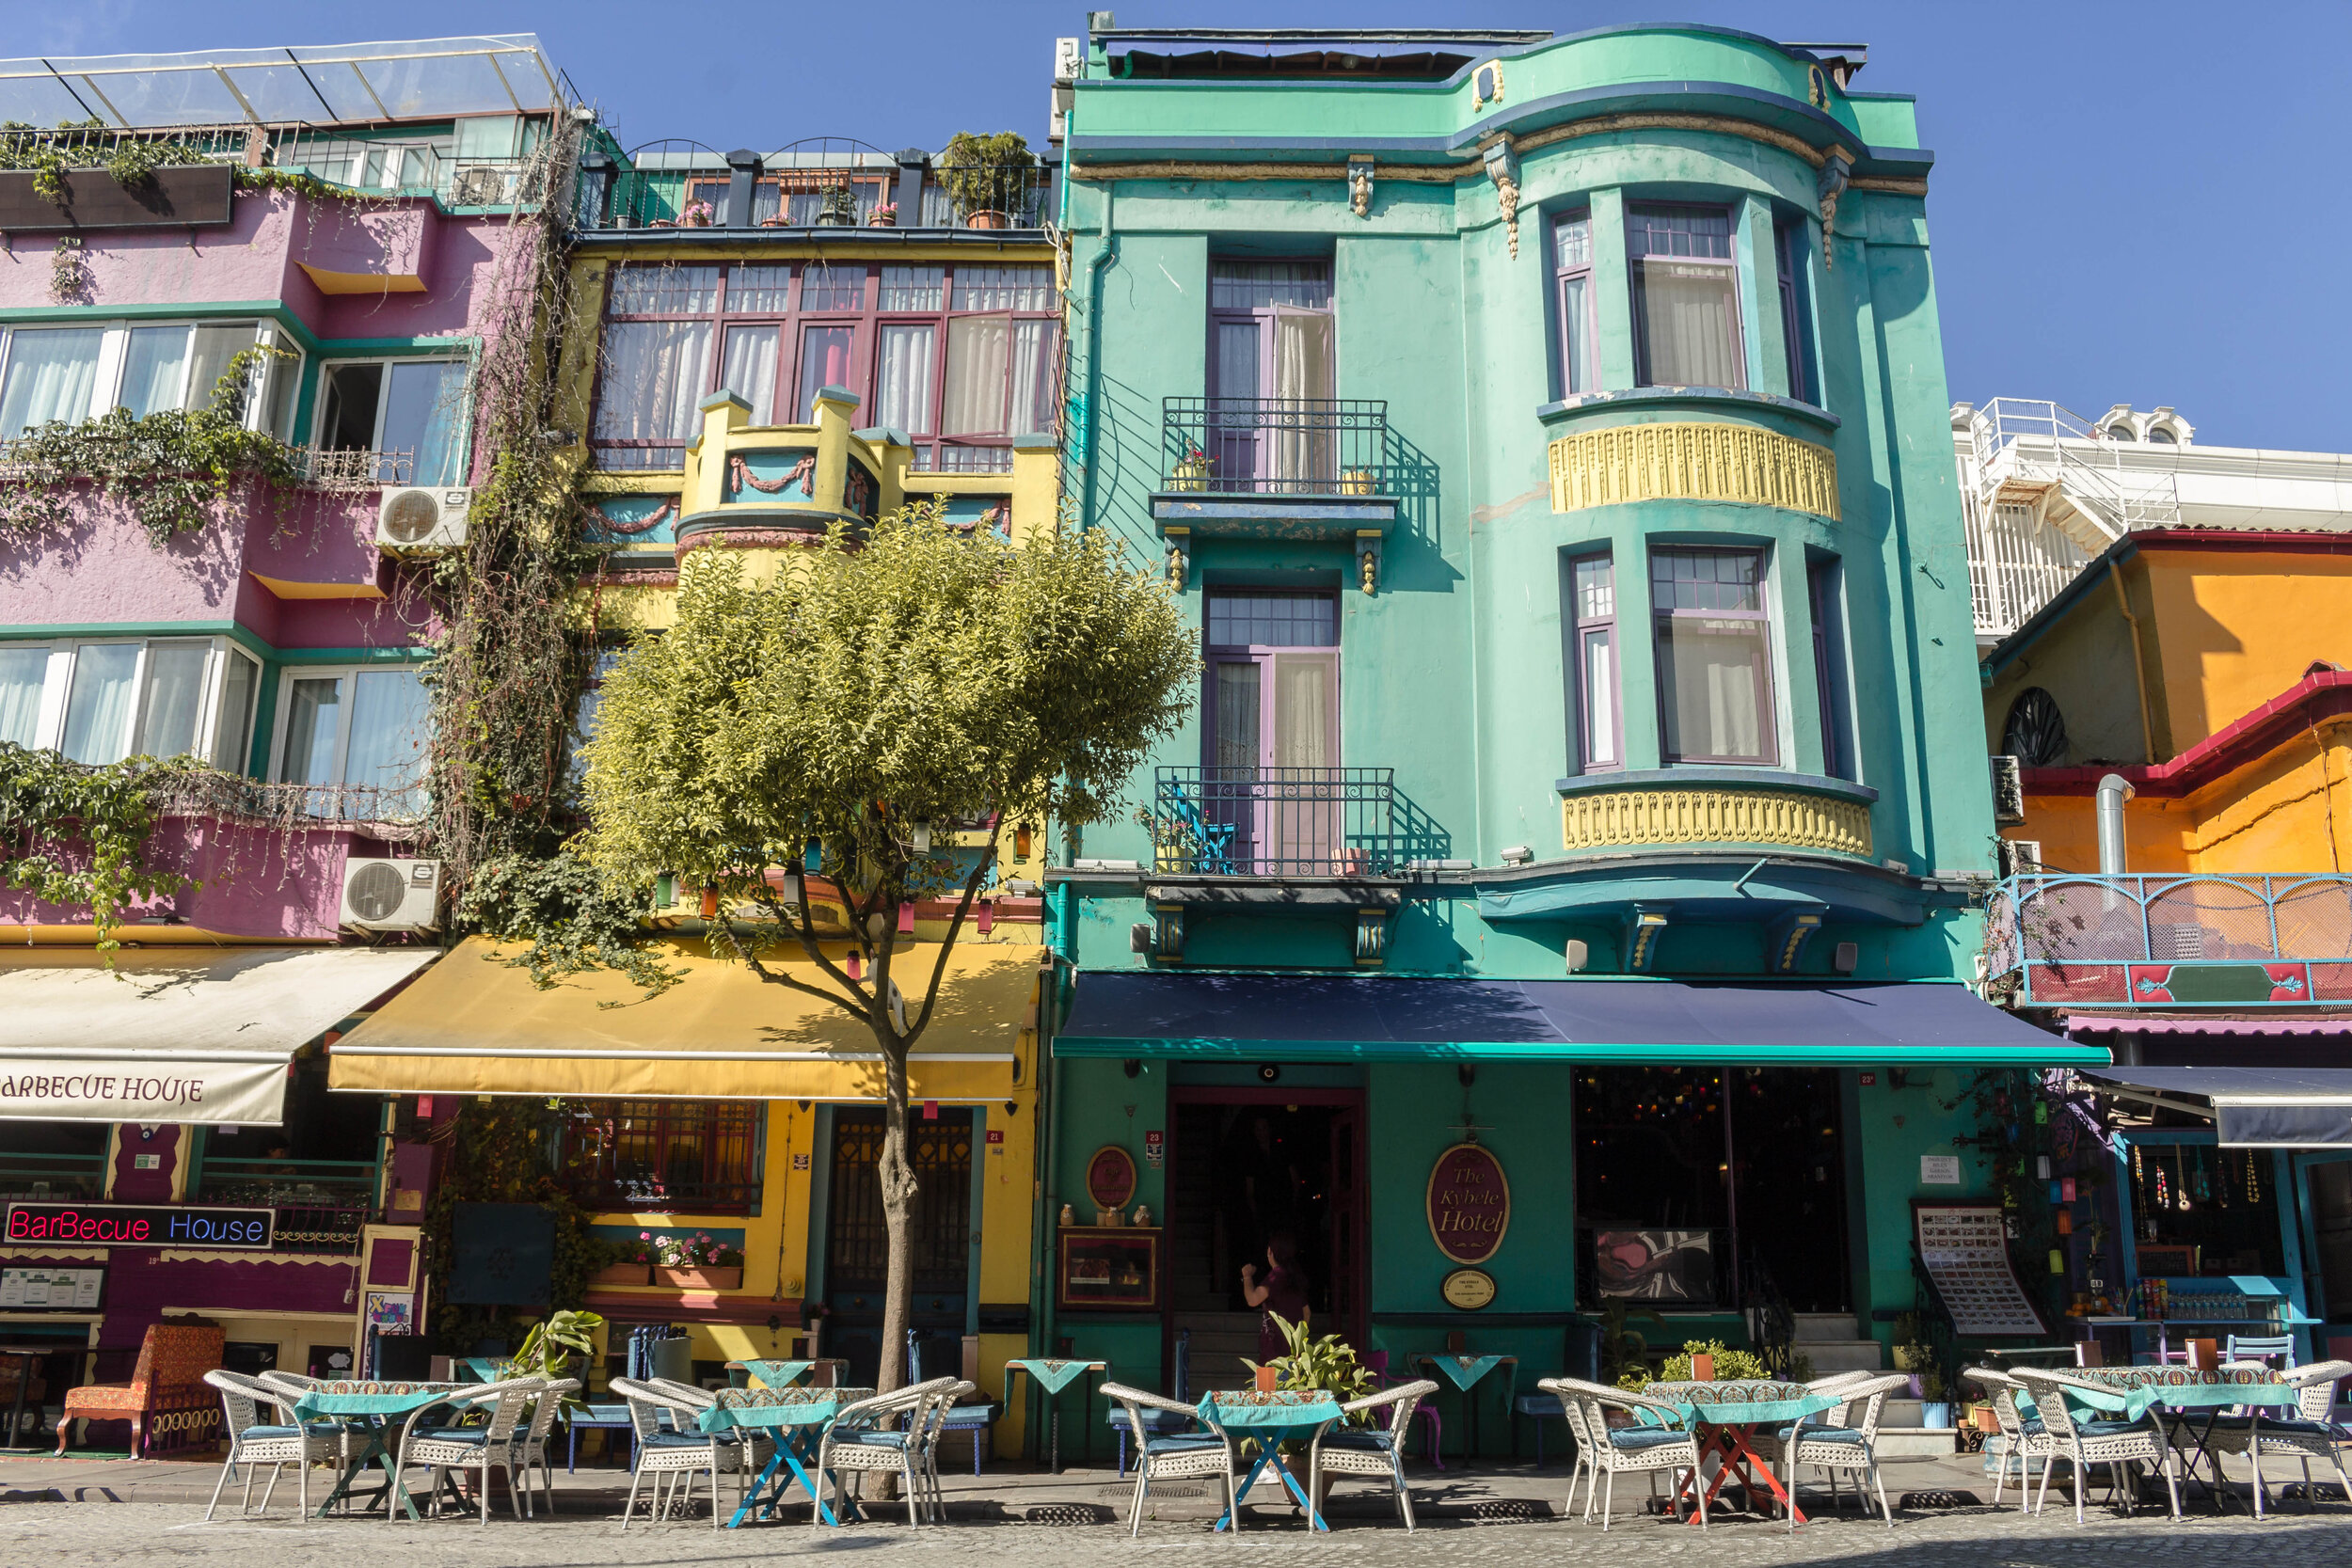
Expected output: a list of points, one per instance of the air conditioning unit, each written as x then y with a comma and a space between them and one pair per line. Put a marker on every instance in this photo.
2008, 792
484, 186
2019, 857
393, 895
423, 518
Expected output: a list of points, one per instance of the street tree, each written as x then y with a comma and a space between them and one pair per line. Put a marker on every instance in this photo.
835, 713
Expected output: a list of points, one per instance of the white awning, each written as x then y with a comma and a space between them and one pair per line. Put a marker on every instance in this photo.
175, 1034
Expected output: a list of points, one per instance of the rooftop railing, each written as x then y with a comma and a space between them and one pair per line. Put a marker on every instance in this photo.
1276, 446
381, 165
827, 182
2173, 939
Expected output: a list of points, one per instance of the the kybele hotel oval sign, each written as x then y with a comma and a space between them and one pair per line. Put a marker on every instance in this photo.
1469, 1204
129, 1225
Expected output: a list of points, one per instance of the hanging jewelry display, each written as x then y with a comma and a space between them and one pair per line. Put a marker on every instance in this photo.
2205, 1182
2253, 1181
2180, 1173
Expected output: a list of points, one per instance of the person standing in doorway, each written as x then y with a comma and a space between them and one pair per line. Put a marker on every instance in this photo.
1282, 1293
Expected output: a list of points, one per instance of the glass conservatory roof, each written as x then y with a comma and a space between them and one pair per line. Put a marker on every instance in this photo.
333, 84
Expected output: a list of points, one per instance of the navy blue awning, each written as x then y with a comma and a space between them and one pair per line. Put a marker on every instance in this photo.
1355, 1018
2255, 1107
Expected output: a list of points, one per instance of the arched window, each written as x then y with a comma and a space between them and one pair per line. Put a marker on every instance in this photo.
2162, 436
2120, 433
2036, 731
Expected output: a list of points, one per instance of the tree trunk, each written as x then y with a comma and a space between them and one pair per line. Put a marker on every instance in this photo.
897, 1196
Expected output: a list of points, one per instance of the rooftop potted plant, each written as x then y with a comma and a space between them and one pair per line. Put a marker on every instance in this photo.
836, 208
884, 216
986, 176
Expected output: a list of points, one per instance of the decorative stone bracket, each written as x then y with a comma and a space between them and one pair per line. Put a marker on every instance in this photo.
1836, 173
1168, 932
1359, 183
1644, 924
1502, 167
1372, 937
1367, 560
1790, 933
1179, 557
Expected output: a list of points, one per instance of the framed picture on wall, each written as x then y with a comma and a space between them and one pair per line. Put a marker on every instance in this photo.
1656, 1265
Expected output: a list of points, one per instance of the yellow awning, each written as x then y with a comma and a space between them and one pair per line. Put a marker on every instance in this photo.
474, 1024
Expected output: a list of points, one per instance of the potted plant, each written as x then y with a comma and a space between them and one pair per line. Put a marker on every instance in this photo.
695, 1262
884, 216
1326, 1366
1935, 1411
986, 176
836, 208
1356, 482
698, 214
1192, 469
635, 1267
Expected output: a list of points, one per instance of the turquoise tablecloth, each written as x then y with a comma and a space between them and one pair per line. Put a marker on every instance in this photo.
2133, 1392
1739, 1403
1289, 1410
381, 1398
1054, 1376
778, 1407
1463, 1370
779, 1374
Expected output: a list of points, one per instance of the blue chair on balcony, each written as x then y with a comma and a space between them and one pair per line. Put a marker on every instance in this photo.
1213, 853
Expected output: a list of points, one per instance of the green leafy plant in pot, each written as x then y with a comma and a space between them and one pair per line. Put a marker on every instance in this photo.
1624, 1351
986, 176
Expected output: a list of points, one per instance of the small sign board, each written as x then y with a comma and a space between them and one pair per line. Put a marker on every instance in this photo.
1154, 1147
1469, 1203
1964, 1248
1468, 1290
136, 1225
1111, 1177
1939, 1170
57, 1290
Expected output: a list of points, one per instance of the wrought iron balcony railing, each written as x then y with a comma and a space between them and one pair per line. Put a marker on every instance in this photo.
36, 1177
1276, 447
2172, 940
1276, 823
652, 1195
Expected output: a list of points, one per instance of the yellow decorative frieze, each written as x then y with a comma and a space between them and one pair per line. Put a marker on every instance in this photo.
1692, 462
1623, 818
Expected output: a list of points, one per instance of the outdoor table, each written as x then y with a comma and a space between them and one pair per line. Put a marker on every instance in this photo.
1466, 1372
1730, 1413
2133, 1392
1292, 1415
784, 1375
373, 1408
796, 1418
596, 1417
1049, 1378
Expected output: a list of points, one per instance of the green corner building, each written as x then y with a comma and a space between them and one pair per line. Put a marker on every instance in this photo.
1550, 437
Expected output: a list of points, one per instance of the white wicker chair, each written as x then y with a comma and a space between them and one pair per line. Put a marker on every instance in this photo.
2309, 1435
253, 1442
1845, 1444
2024, 1439
492, 1445
857, 1444
1371, 1450
1585, 1442
1643, 1450
671, 1457
2086, 1443
531, 1442
1767, 1445
944, 1404
1164, 1455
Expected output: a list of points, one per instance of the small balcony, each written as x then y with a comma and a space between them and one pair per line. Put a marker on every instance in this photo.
1276, 823
322, 1205
817, 183
1276, 446
658, 1194
40, 1178
2170, 941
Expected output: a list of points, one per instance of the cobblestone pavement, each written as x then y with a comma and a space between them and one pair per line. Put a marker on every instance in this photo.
1494, 1520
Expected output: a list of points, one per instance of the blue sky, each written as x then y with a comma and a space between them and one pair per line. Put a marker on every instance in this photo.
2131, 202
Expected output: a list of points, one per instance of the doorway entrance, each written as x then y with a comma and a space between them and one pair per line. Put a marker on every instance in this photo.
857, 1242
1249, 1170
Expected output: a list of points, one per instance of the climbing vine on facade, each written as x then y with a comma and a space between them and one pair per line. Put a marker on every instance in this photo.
505, 1150
75, 835
172, 467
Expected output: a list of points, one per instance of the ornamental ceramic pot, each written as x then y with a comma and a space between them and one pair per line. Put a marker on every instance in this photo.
708, 1278
621, 1274
1356, 482
1192, 473
988, 218
878, 220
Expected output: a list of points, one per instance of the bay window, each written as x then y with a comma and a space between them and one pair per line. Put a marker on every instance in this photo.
1714, 656
71, 373
960, 358
411, 413
1572, 270
357, 728
100, 700
1686, 297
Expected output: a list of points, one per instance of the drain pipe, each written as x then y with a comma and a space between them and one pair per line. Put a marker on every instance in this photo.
2113, 857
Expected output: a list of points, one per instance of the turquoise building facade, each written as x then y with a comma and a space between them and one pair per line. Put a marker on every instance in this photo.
1550, 437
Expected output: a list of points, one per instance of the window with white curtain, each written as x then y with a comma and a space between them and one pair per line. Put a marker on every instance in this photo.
99, 700
410, 412
364, 727
1714, 656
1594, 675
1572, 272
1686, 297
71, 373
960, 358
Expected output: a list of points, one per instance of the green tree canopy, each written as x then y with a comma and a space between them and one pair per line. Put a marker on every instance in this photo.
864, 690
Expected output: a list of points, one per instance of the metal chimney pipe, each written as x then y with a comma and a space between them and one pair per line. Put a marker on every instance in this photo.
2113, 791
